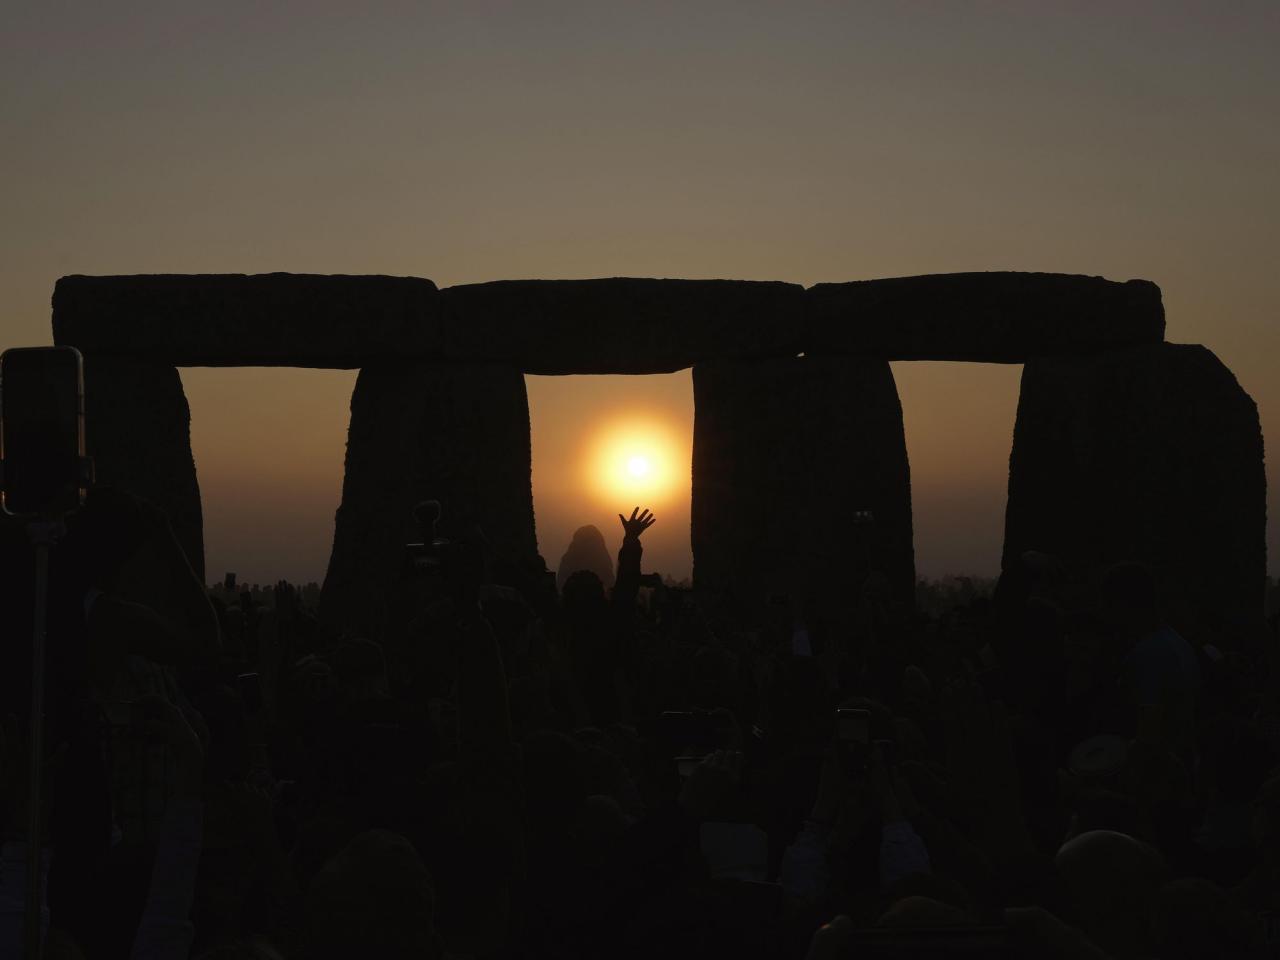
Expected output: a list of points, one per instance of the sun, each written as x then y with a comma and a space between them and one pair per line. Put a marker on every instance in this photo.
635, 459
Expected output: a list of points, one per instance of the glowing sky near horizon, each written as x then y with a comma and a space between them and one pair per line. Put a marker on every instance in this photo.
808, 141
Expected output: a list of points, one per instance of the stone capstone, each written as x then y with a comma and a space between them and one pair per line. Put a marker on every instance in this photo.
989, 317
238, 320
620, 325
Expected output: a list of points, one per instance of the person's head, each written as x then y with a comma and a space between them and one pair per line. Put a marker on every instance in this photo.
374, 899
1195, 918
249, 948
1110, 880
917, 913
583, 595
587, 551
927, 892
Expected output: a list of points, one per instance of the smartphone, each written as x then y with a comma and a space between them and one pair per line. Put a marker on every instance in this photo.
42, 431
854, 726
863, 518
250, 687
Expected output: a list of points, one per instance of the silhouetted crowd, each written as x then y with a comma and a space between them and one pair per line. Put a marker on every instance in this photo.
628, 769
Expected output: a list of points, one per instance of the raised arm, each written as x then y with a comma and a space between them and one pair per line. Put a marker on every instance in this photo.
627, 583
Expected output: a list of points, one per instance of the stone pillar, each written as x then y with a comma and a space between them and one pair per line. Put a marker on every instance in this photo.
138, 431
419, 431
1151, 454
784, 452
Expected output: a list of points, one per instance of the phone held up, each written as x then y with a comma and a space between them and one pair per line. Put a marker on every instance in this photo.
42, 449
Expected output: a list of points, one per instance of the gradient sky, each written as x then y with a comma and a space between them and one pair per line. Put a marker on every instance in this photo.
800, 141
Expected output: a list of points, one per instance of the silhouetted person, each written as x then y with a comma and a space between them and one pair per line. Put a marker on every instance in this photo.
1158, 669
586, 551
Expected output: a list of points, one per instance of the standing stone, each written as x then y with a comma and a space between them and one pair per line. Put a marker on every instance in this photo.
454, 433
1152, 454
784, 452
586, 551
138, 431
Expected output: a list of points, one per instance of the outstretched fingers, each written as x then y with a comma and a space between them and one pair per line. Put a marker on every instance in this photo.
639, 521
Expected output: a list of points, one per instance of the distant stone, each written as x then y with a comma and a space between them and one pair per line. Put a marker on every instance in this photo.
1152, 454
273, 319
137, 430
785, 454
587, 551
620, 325
991, 317
456, 433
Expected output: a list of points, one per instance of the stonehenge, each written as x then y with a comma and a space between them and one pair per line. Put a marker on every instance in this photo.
1125, 446
426, 431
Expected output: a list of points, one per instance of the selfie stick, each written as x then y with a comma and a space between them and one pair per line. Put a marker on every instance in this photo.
44, 534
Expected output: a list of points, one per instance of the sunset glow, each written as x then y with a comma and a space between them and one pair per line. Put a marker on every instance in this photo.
635, 459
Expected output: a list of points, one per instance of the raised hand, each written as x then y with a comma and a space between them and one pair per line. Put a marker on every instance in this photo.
638, 524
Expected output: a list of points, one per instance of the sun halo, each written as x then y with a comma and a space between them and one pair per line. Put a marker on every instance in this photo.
634, 459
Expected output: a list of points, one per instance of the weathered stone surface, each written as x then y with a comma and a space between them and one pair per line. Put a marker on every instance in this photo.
784, 451
620, 325
991, 317
586, 551
454, 433
1151, 454
273, 319
137, 429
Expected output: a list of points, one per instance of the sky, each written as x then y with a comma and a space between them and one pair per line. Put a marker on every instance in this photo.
803, 142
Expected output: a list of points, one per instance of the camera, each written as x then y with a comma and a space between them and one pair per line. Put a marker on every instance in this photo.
42, 452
